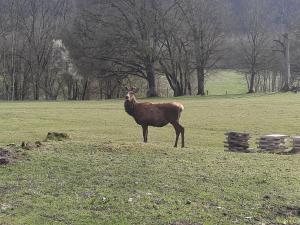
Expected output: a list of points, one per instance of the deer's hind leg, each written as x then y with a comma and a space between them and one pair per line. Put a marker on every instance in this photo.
179, 130
182, 136
145, 133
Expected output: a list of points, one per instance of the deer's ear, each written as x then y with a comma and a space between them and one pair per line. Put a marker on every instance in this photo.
136, 90
126, 88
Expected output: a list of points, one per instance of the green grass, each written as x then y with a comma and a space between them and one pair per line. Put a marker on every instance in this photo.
221, 81
105, 175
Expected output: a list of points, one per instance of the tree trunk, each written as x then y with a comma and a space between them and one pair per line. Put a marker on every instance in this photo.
178, 90
151, 84
199, 64
251, 84
189, 88
16, 90
150, 78
24, 88
85, 95
274, 82
200, 77
287, 65
100, 90
36, 91
75, 91
70, 88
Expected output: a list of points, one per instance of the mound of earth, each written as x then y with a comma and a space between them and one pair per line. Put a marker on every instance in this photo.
29, 145
289, 211
55, 136
7, 156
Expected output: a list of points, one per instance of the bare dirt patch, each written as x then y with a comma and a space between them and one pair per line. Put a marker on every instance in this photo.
289, 211
13, 153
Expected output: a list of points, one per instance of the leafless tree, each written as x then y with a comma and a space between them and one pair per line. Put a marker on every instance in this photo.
288, 14
27, 43
106, 44
254, 40
131, 37
205, 20
176, 54
40, 23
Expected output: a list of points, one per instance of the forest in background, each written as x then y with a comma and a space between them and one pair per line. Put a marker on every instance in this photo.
93, 49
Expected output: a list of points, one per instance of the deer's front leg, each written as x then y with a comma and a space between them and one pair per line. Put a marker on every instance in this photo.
145, 133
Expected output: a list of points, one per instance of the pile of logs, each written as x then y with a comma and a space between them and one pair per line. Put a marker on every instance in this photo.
296, 144
273, 143
237, 142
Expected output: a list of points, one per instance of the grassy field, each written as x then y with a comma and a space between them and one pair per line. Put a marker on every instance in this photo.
221, 81
106, 175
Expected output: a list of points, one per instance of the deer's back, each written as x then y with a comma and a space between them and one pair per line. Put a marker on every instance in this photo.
157, 115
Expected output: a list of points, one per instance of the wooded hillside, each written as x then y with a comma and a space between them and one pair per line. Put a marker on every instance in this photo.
80, 50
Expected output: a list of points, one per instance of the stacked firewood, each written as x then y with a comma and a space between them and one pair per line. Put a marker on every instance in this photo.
273, 143
296, 144
237, 142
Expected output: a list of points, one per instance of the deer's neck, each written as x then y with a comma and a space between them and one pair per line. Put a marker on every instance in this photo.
129, 106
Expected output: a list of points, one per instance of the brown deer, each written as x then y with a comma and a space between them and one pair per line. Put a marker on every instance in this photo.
156, 115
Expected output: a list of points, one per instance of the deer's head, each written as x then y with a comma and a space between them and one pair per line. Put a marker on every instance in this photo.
130, 96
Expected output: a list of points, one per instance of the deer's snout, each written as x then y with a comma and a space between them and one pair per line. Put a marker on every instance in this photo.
127, 97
